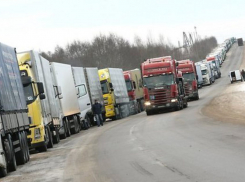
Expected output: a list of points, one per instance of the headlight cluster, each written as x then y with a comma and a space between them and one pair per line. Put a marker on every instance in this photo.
37, 133
174, 100
147, 103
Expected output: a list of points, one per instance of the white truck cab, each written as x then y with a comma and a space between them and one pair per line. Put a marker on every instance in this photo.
205, 74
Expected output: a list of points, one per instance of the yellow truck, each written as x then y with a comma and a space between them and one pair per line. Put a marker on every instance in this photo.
44, 127
114, 93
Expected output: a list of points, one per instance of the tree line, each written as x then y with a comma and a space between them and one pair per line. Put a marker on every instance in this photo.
114, 51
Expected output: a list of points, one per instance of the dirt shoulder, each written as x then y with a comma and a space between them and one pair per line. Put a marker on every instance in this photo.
230, 105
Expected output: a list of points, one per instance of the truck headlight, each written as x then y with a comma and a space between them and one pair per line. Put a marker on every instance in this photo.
147, 103
174, 100
37, 133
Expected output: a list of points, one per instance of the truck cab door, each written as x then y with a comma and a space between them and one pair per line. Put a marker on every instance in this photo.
83, 99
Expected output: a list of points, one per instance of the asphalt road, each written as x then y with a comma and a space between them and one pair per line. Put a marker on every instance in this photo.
168, 147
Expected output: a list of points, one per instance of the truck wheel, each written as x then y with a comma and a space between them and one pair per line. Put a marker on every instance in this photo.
136, 108
21, 154
43, 148
8, 145
63, 136
56, 138
197, 97
76, 126
68, 127
26, 145
50, 141
177, 108
148, 113
186, 104
3, 172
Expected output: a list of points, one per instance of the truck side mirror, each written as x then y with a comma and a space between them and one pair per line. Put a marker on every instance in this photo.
110, 85
60, 96
26, 80
134, 84
59, 90
177, 80
42, 96
112, 89
40, 87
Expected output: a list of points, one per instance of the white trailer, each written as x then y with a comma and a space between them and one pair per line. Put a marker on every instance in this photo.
63, 80
94, 89
199, 75
82, 96
50, 110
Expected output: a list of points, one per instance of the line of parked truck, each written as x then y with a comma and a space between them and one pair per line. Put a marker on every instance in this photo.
42, 102
169, 84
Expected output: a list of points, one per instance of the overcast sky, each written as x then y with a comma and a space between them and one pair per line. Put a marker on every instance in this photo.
42, 24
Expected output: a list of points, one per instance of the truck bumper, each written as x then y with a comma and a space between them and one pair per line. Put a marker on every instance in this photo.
162, 106
36, 136
35, 145
110, 111
193, 95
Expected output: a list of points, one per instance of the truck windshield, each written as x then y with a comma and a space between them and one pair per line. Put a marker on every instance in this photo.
204, 72
28, 90
214, 65
104, 87
129, 85
189, 76
159, 80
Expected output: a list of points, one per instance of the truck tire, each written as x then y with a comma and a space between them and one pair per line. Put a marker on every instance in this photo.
43, 148
148, 113
9, 148
68, 127
56, 138
50, 137
186, 104
26, 145
197, 97
21, 154
63, 136
76, 125
3, 172
177, 108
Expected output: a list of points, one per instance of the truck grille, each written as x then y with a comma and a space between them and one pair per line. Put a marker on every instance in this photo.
187, 89
160, 96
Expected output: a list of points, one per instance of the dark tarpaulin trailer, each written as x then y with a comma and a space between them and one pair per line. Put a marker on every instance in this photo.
13, 107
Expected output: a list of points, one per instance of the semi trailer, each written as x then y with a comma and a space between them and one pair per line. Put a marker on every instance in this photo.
14, 121
114, 93
135, 89
199, 75
63, 82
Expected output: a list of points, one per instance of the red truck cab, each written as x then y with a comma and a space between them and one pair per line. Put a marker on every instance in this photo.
188, 69
161, 84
